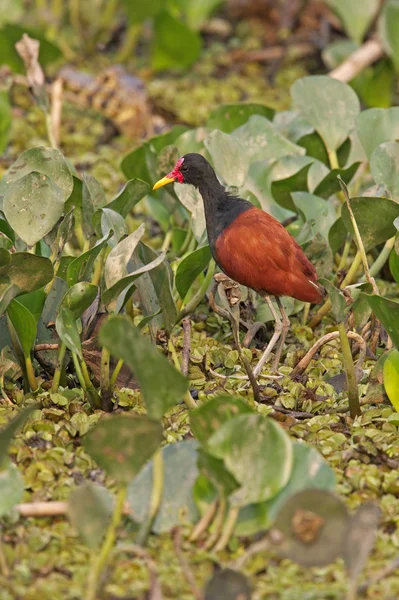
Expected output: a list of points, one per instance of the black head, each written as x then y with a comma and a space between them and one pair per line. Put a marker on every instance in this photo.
190, 168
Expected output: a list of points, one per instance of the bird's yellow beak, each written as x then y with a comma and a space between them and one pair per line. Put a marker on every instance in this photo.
164, 181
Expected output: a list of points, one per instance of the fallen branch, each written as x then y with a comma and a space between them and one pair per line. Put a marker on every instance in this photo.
366, 55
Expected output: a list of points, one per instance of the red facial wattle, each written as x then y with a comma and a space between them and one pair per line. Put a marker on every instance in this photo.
176, 173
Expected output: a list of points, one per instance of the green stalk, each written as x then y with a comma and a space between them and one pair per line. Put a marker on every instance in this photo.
104, 372
50, 133
58, 370
129, 44
187, 239
345, 253
115, 374
197, 298
30, 374
2, 391
156, 498
381, 258
217, 523
188, 399
99, 561
353, 392
78, 370
4, 569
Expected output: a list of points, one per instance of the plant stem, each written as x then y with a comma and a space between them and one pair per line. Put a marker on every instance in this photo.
188, 399
333, 158
99, 562
156, 497
78, 370
217, 523
30, 374
2, 391
345, 253
58, 370
4, 570
50, 132
351, 593
199, 295
353, 392
98, 269
115, 374
104, 371
204, 522
130, 42
381, 258
228, 529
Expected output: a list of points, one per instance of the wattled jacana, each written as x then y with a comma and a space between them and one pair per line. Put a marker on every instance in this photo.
250, 246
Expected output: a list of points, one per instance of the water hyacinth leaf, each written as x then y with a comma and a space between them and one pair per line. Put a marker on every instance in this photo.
64, 230
89, 510
245, 444
283, 188
391, 377
24, 324
34, 302
228, 585
229, 158
5, 120
80, 268
337, 235
12, 487
11, 33
129, 196
376, 126
215, 470
262, 142
191, 199
190, 267
174, 45
27, 271
9, 431
315, 147
389, 27
360, 537
124, 340
68, 331
122, 444
309, 471
313, 208
229, 117
372, 231
330, 184
32, 206
356, 17
384, 167
311, 526
394, 265
329, 105
180, 473
106, 220
320, 255
46, 161
143, 10
387, 311
337, 299
209, 417
197, 13
93, 197
8, 291
5, 257
79, 297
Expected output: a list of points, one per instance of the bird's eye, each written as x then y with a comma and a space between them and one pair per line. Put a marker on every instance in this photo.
183, 168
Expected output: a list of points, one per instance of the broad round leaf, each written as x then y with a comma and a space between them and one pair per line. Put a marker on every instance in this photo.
257, 452
376, 126
229, 157
79, 297
384, 167
387, 311
67, 330
116, 263
311, 526
337, 300
191, 199
33, 205
80, 268
89, 510
329, 105
129, 196
47, 161
391, 377
372, 231
104, 220
209, 417
389, 27
174, 45
229, 117
124, 340
11, 487
190, 267
180, 474
122, 444
356, 17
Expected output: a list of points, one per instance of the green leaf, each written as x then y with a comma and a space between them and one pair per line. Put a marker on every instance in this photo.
105, 220
215, 470
246, 444
93, 198
68, 331
228, 117
32, 206
229, 157
337, 235
190, 267
47, 161
356, 17
394, 265
90, 508
27, 271
79, 297
315, 147
337, 299
389, 29
124, 340
11, 11
208, 418
24, 324
191, 199
330, 184
130, 195
34, 302
282, 188
387, 311
313, 208
180, 474
174, 45
227, 584
384, 167
197, 13
5, 120
376, 126
309, 471
80, 268
391, 378
64, 230
311, 526
262, 142
11, 34
329, 105
138, 12
8, 291
12, 487
8, 433
372, 231
122, 444
360, 537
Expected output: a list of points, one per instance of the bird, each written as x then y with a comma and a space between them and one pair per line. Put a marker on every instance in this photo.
250, 246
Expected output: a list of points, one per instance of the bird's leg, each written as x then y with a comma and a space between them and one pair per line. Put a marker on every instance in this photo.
284, 330
278, 328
